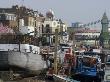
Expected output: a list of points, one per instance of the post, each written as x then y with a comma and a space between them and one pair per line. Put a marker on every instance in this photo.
55, 54
73, 37
109, 44
95, 42
19, 42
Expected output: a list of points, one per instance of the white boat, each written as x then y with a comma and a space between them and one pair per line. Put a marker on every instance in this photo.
30, 62
17, 53
19, 46
10, 58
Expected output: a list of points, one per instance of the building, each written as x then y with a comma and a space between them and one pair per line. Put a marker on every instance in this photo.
29, 22
105, 37
50, 24
9, 20
82, 35
39, 27
26, 19
77, 24
87, 36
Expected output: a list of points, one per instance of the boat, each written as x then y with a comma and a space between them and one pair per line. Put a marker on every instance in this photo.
20, 53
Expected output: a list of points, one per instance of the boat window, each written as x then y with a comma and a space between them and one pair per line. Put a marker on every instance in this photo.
62, 49
30, 48
108, 58
89, 62
77, 53
65, 45
90, 53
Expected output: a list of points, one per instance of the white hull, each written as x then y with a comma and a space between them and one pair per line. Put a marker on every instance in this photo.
29, 61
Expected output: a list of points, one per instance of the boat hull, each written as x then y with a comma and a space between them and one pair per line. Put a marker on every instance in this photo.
28, 61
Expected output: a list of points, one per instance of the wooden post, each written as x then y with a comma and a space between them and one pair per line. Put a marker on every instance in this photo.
95, 42
73, 37
55, 55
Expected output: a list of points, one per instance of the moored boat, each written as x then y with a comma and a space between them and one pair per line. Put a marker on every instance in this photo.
19, 52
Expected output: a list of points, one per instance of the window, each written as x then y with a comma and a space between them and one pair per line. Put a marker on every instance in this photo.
30, 48
47, 28
108, 58
54, 23
9, 17
89, 62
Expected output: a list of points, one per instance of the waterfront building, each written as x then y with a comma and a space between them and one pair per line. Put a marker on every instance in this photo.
83, 35
87, 36
77, 24
105, 37
39, 27
29, 22
8, 19
50, 24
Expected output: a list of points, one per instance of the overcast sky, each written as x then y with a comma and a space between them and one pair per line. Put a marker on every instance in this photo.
69, 10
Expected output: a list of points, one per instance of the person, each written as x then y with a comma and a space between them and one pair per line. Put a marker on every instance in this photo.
91, 50
50, 74
61, 71
92, 62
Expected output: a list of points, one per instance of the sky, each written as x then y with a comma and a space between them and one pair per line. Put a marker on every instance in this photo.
70, 11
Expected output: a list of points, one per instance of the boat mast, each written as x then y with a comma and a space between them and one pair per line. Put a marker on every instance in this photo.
55, 55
